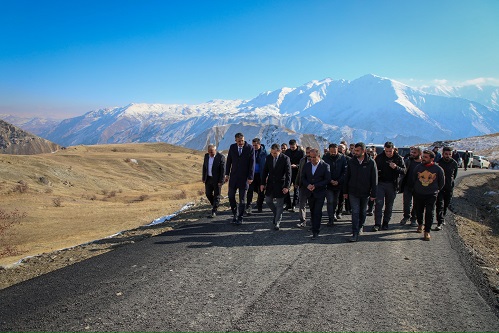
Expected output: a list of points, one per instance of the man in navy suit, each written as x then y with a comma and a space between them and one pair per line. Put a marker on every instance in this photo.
315, 177
239, 172
276, 180
213, 177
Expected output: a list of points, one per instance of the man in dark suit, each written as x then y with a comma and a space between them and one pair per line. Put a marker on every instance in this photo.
239, 172
213, 177
276, 180
315, 177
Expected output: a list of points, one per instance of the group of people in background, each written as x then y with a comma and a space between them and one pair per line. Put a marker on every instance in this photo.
355, 179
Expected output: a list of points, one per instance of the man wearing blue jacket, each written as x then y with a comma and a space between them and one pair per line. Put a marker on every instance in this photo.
260, 156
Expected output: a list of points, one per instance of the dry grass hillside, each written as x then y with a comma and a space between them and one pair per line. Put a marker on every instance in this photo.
83, 193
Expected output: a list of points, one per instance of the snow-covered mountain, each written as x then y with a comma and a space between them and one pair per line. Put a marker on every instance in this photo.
370, 109
35, 125
486, 95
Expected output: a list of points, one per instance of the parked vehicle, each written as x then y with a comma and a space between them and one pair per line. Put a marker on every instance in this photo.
461, 154
480, 162
404, 151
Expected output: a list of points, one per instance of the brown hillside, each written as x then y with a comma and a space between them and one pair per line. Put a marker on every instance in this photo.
14, 140
85, 193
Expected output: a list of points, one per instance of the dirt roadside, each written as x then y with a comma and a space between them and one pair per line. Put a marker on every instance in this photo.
475, 208
475, 212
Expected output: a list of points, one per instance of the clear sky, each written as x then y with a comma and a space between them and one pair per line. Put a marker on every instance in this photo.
70, 57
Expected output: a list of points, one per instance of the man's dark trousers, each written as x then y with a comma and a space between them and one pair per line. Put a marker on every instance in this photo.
385, 195
242, 200
315, 204
359, 209
425, 205
212, 191
443, 201
255, 187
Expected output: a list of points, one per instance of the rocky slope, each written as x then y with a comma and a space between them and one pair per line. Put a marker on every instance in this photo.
14, 140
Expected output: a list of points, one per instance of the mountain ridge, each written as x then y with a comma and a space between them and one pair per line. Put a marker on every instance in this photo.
370, 108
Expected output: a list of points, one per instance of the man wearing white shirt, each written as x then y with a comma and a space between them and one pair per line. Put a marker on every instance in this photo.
213, 177
315, 177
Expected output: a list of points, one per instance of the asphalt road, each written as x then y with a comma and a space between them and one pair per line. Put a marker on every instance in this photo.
214, 276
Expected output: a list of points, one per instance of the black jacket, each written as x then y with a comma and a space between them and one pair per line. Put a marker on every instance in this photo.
385, 172
320, 179
408, 177
362, 178
338, 168
276, 178
294, 157
450, 171
217, 170
240, 168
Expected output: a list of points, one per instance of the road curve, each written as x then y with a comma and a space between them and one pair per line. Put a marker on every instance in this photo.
214, 276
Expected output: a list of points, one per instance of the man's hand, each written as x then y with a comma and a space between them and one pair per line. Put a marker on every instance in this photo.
250, 181
345, 196
226, 179
285, 190
372, 199
334, 182
311, 187
262, 188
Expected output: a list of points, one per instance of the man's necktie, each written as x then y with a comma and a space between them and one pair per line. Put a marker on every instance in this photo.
240, 150
275, 161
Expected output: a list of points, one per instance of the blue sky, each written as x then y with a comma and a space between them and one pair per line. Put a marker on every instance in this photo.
69, 57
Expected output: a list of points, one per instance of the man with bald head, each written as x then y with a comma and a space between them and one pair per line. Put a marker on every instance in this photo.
213, 177
316, 175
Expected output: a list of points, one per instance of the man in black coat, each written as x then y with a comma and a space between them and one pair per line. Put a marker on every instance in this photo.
295, 154
315, 177
444, 197
213, 177
360, 186
338, 167
276, 180
390, 166
239, 172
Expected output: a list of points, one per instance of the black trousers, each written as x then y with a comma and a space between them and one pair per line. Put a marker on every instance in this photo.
343, 202
212, 191
315, 204
444, 199
424, 205
238, 209
255, 188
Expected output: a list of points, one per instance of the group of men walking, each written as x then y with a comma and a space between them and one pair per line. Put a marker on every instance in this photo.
353, 177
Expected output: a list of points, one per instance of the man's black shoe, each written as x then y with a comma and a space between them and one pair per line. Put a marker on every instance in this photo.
375, 228
315, 235
384, 227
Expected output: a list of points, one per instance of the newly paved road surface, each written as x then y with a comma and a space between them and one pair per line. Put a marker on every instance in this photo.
214, 276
